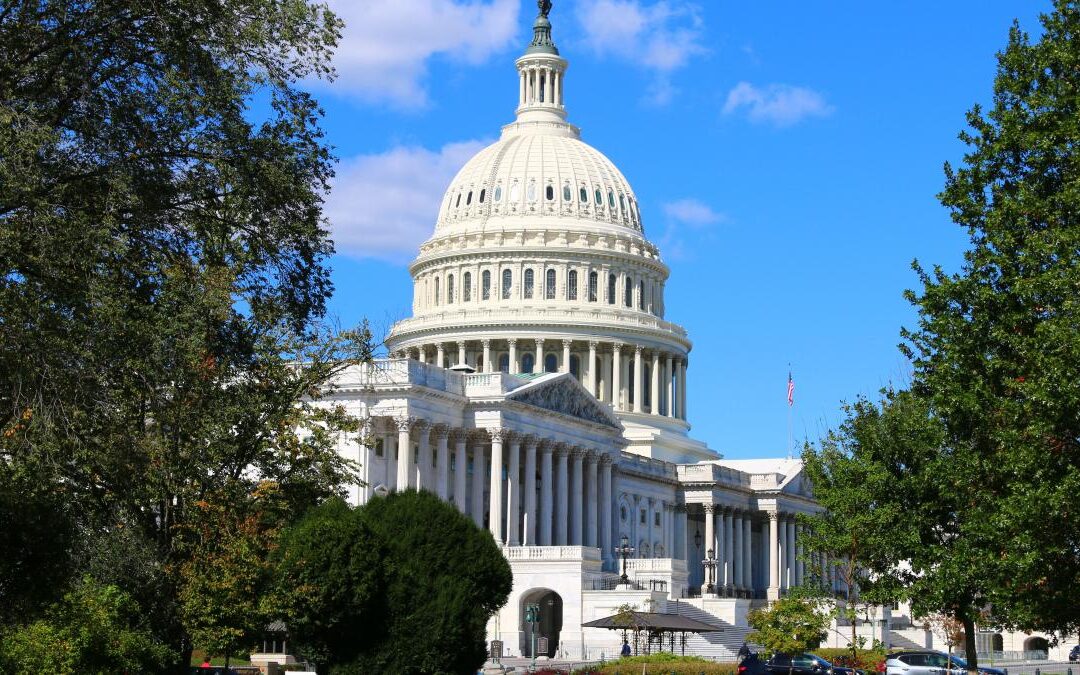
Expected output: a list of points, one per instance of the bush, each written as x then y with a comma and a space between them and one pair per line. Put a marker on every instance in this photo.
867, 659
663, 663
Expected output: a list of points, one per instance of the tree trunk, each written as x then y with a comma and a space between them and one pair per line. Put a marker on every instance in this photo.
970, 653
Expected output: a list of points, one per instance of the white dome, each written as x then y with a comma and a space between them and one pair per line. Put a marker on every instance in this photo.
533, 172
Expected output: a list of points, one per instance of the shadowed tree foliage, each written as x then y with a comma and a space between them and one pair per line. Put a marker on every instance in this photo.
162, 275
997, 347
404, 584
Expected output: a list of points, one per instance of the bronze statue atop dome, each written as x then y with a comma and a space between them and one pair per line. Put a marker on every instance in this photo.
544, 6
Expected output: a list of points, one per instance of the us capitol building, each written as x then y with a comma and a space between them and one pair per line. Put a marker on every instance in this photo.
540, 388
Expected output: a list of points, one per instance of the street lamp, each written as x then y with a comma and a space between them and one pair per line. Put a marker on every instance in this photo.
710, 570
697, 539
532, 617
625, 550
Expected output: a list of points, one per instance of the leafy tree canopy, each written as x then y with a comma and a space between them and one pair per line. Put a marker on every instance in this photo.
791, 625
162, 283
404, 584
997, 347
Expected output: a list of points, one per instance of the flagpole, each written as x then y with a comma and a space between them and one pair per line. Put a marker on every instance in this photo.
790, 401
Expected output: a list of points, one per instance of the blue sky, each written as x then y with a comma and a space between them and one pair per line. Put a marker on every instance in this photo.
786, 156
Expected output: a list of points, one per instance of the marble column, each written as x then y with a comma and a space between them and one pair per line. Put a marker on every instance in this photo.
562, 493
513, 365
576, 496
605, 510
489, 367
528, 534
592, 503
546, 502
565, 356
442, 461
729, 548
605, 384
710, 539
538, 366
422, 354
682, 390
680, 532
390, 463
440, 355
748, 565
460, 353
639, 380
669, 376
421, 478
591, 370
718, 546
790, 553
774, 555
495, 489
654, 398
737, 558
404, 455
616, 376
461, 472
479, 476
513, 491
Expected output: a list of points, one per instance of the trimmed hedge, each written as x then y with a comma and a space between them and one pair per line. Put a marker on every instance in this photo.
661, 664
867, 659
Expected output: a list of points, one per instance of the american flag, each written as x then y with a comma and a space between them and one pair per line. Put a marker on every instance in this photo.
790, 390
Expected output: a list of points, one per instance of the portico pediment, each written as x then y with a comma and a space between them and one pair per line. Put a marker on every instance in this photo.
562, 393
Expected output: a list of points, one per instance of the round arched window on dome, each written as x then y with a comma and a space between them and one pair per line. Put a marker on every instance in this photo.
482, 193
611, 289
549, 285
628, 292
507, 278
458, 202
468, 199
531, 194
567, 194
611, 199
515, 192
551, 364
485, 285
592, 286
584, 195
466, 287
641, 295
571, 285
622, 202
528, 284
450, 289
549, 193
498, 193
599, 197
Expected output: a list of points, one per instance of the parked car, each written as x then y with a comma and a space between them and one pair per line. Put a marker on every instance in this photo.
1074, 654
961, 664
752, 665
928, 662
805, 664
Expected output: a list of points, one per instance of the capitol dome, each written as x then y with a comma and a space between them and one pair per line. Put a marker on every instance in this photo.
539, 262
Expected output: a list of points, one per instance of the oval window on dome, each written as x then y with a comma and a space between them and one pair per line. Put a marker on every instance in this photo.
610, 199
498, 193
458, 202
599, 197
584, 196
566, 193
482, 193
515, 192
468, 199
549, 192
622, 202
531, 193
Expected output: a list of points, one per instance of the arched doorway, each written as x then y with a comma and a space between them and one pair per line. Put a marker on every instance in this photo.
549, 626
1036, 644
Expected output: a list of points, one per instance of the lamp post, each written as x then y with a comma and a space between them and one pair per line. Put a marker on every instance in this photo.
532, 617
625, 550
710, 570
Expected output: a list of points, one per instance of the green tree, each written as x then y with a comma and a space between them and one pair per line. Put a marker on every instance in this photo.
997, 350
791, 625
866, 526
162, 273
404, 584
95, 629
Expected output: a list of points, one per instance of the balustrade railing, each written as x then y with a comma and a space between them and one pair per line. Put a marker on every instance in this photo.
551, 553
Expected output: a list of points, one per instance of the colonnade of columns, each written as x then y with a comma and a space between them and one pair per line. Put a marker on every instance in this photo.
765, 565
527, 491
540, 84
630, 377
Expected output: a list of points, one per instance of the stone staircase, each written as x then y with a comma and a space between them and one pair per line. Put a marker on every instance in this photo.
720, 646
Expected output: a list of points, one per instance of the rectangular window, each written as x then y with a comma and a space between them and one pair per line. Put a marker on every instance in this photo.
643, 520
656, 518
485, 285
379, 450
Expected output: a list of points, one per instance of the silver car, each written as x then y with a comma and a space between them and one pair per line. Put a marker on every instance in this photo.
920, 663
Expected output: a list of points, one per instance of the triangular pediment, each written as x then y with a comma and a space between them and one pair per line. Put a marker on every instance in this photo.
562, 393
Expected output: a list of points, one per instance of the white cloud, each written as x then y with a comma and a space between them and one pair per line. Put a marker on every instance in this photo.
386, 44
385, 205
661, 37
692, 212
779, 104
